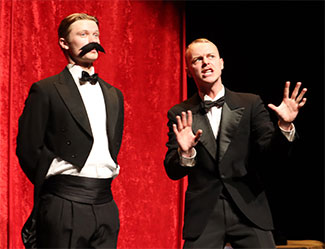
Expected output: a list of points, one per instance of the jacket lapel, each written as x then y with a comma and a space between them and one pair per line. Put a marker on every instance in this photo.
207, 139
200, 121
70, 94
112, 110
230, 119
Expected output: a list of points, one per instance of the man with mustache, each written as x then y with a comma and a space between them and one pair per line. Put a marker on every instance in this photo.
70, 133
220, 140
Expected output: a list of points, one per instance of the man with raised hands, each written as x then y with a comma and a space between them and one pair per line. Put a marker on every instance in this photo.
217, 139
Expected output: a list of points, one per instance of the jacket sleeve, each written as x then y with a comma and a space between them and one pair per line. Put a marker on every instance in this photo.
119, 126
267, 137
172, 165
31, 150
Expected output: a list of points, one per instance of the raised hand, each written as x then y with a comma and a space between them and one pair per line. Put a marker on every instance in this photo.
288, 110
185, 137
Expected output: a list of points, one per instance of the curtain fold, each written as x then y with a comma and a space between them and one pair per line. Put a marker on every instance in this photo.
144, 43
5, 28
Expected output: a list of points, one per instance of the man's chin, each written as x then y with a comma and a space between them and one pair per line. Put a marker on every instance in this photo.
84, 63
209, 81
91, 56
88, 59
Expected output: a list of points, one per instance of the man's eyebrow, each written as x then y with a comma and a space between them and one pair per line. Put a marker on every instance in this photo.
197, 56
87, 30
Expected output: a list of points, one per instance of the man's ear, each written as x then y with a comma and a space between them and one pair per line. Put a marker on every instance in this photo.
63, 44
222, 63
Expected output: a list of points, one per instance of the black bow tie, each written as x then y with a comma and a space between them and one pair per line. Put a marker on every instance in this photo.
207, 105
91, 78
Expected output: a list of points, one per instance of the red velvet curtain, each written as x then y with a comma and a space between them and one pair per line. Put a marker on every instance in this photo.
144, 42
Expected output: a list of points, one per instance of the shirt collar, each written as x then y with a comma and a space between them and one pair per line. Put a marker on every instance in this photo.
76, 72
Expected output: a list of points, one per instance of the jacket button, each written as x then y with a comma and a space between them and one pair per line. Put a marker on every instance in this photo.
222, 176
68, 142
73, 156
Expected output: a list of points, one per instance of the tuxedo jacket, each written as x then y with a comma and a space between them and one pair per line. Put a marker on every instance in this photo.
232, 161
54, 123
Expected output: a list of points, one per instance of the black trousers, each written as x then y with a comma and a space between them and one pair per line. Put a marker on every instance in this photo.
228, 225
63, 223
77, 212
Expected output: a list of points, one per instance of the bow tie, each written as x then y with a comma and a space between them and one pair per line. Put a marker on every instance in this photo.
91, 78
207, 105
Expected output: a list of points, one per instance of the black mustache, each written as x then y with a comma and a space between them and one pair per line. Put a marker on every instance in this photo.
90, 46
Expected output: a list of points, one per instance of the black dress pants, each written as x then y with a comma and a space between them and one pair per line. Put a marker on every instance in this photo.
63, 223
228, 225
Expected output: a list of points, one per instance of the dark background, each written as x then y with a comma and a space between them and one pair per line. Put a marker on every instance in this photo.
264, 44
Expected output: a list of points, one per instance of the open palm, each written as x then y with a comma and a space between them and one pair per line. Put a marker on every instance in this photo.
288, 110
186, 139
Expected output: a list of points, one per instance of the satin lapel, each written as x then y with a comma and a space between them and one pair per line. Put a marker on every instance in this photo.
112, 109
70, 94
229, 123
200, 121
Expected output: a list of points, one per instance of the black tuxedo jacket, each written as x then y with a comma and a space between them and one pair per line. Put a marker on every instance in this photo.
54, 123
246, 135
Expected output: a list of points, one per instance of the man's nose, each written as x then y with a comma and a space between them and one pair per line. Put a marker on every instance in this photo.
93, 38
205, 61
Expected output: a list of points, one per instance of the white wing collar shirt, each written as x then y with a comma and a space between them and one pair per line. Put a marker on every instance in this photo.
99, 163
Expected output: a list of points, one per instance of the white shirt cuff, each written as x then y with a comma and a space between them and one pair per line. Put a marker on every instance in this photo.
290, 135
187, 161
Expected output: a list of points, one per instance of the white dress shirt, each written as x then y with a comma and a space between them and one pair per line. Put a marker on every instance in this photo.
99, 163
214, 116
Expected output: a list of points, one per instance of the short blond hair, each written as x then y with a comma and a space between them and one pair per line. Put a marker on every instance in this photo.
199, 40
